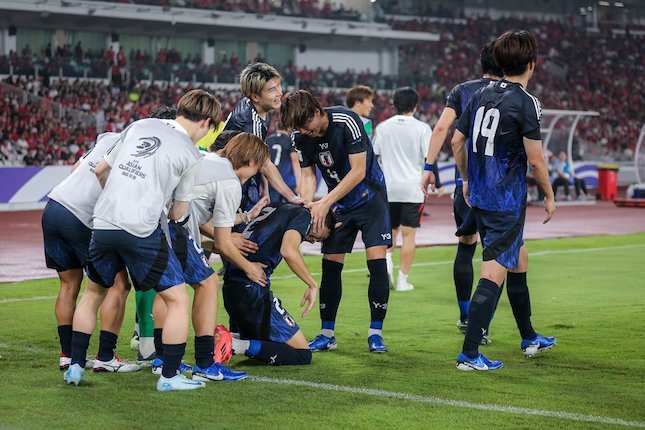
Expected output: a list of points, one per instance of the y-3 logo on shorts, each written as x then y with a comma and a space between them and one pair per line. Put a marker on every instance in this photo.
147, 147
386, 236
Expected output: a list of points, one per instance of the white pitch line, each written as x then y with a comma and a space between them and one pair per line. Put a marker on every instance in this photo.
28, 299
488, 407
532, 254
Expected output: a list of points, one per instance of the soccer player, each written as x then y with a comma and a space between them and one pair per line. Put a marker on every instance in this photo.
67, 230
456, 102
262, 89
334, 140
360, 100
502, 125
401, 142
267, 331
285, 158
154, 163
212, 211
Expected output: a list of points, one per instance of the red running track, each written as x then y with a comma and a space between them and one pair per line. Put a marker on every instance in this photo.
22, 257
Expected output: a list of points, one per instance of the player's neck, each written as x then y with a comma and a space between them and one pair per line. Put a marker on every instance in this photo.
491, 76
261, 112
190, 126
522, 79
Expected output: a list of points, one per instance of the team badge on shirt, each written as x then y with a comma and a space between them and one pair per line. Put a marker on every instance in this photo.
326, 158
147, 147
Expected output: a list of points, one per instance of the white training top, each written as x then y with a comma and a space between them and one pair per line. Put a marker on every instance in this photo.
216, 196
401, 142
80, 190
154, 159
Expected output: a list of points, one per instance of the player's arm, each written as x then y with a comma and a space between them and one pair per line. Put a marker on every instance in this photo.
448, 116
295, 165
183, 193
308, 183
271, 172
357, 171
290, 251
540, 172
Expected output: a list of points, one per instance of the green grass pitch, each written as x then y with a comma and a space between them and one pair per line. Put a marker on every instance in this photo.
586, 291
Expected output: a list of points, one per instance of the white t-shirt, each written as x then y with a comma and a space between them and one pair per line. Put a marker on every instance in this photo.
401, 142
216, 196
80, 190
154, 159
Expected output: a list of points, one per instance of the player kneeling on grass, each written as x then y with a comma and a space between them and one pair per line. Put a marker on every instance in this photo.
267, 331
216, 197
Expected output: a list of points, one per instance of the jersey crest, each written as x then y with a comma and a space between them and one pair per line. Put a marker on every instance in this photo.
326, 159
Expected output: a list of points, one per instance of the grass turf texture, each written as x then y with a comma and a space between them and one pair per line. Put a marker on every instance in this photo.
592, 301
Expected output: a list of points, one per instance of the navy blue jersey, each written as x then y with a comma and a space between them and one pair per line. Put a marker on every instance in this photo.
267, 230
245, 118
458, 99
345, 135
496, 120
281, 147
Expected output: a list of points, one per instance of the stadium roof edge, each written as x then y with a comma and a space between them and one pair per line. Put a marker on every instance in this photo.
97, 10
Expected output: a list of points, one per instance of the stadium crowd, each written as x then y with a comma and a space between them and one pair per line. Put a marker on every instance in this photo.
569, 76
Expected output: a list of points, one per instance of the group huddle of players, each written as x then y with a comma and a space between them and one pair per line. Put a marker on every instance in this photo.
143, 204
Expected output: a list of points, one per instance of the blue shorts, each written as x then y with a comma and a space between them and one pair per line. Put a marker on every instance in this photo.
66, 238
258, 313
373, 221
501, 235
464, 217
151, 261
191, 257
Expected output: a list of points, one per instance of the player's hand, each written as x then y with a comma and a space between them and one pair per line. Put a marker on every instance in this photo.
549, 207
309, 299
465, 191
255, 210
245, 246
256, 274
297, 200
319, 211
428, 179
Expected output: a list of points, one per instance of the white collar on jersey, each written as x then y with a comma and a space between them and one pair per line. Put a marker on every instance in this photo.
174, 124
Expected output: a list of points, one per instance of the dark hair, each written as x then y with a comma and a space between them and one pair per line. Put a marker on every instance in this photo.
357, 94
405, 100
514, 50
298, 109
487, 61
163, 112
222, 139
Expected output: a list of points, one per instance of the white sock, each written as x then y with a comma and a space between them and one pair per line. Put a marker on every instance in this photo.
374, 331
327, 332
136, 328
403, 277
146, 346
240, 346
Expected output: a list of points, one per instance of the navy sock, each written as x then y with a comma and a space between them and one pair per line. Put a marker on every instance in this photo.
481, 309
80, 343
172, 355
158, 342
518, 296
281, 354
331, 289
379, 290
204, 346
462, 274
107, 345
65, 338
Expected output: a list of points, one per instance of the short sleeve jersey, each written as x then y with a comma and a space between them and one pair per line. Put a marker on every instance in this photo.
216, 195
458, 99
281, 147
147, 166
267, 231
345, 135
496, 120
80, 190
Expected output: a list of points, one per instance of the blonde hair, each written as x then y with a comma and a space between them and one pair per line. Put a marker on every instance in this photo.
244, 149
198, 105
255, 76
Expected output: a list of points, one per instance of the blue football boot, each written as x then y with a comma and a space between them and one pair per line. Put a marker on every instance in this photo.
323, 343
376, 344
531, 347
157, 366
216, 372
479, 363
